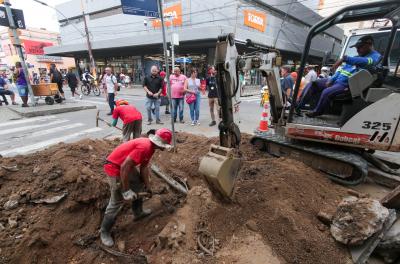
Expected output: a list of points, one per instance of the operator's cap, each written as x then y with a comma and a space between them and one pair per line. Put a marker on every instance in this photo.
364, 40
162, 138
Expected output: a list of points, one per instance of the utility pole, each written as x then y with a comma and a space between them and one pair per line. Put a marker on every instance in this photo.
160, 9
17, 43
89, 44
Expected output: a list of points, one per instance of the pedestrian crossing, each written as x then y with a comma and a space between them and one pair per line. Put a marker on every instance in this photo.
26, 136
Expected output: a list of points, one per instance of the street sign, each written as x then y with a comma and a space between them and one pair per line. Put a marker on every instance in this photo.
184, 60
147, 8
175, 39
18, 15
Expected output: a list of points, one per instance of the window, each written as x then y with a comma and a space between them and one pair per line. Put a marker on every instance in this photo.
380, 43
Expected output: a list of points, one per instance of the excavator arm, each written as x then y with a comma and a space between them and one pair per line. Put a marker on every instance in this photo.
221, 164
226, 58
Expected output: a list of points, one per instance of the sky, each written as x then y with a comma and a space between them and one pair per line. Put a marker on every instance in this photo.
47, 18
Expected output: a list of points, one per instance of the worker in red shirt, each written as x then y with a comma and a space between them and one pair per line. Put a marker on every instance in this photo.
126, 180
131, 118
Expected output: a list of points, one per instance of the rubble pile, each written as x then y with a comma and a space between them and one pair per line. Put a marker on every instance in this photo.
51, 205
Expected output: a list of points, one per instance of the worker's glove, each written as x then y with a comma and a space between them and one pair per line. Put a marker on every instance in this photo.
129, 195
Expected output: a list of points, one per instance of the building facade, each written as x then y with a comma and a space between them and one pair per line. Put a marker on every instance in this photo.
33, 42
131, 44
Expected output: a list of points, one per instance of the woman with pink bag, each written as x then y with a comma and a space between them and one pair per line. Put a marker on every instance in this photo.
193, 97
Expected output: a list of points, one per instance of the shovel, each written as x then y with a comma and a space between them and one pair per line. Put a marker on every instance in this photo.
101, 119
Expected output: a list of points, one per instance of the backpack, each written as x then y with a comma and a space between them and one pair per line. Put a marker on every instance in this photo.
57, 77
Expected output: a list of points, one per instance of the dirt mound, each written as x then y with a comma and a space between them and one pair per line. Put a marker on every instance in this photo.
275, 207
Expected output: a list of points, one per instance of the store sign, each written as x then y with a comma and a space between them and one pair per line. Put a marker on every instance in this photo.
172, 16
254, 19
46, 58
140, 7
35, 47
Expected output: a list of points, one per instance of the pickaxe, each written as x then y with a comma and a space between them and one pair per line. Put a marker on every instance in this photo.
101, 119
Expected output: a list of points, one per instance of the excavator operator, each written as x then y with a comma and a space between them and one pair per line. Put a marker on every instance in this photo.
338, 83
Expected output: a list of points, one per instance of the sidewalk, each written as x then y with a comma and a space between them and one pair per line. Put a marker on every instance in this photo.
44, 109
7, 115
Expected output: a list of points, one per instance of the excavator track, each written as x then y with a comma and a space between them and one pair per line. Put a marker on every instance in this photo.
340, 165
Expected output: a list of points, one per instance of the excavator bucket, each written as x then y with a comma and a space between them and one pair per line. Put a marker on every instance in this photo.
220, 166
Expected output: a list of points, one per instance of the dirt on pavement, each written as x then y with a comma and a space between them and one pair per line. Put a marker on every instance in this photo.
273, 215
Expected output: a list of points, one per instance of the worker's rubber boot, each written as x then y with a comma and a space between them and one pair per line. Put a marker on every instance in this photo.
138, 211
105, 230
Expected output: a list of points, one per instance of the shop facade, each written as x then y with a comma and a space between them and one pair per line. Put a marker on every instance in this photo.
33, 41
132, 44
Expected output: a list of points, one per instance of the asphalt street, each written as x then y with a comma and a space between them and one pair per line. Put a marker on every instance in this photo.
32, 134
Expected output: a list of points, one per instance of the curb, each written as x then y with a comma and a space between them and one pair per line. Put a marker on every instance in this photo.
36, 112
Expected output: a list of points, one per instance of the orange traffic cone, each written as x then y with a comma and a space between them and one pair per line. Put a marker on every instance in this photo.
263, 127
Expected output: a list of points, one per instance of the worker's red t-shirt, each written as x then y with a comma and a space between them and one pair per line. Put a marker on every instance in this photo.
127, 113
140, 150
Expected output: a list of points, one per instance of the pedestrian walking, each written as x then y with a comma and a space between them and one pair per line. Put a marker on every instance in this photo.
213, 103
72, 83
177, 81
56, 77
131, 118
153, 86
111, 85
164, 94
193, 97
122, 169
22, 83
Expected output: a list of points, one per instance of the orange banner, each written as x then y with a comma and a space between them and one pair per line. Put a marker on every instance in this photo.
173, 12
254, 19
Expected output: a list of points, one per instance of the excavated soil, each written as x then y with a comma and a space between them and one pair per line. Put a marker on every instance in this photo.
272, 218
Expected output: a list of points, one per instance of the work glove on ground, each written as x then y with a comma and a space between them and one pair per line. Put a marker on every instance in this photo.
129, 195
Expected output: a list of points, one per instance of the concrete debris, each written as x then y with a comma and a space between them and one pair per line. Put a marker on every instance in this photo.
171, 236
392, 238
12, 222
50, 200
325, 217
36, 170
11, 168
10, 204
357, 219
2, 227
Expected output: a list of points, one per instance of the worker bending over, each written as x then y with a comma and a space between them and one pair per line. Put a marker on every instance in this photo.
337, 84
127, 168
131, 118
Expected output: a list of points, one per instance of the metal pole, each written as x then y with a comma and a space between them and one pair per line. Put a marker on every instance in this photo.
173, 55
89, 45
17, 44
160, 9
184, 65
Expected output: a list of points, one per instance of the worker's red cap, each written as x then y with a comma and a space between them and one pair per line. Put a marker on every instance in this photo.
294, 75
162, 138
121, 102
163, 74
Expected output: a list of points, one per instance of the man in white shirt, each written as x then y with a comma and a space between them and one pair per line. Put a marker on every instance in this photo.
311, 75
112, 86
